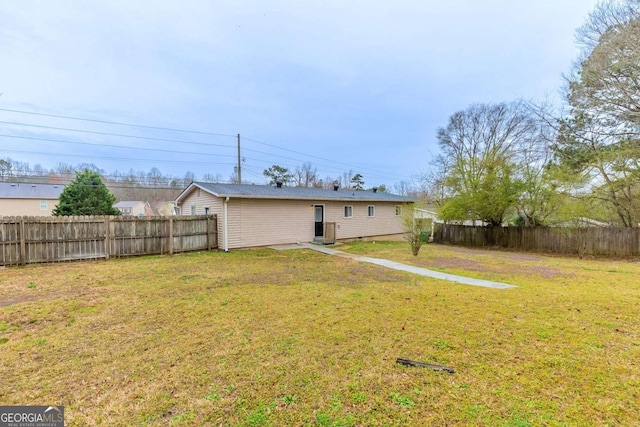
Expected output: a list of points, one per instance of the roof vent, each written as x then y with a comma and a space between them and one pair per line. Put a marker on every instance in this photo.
375, 189
278, 184
336, 186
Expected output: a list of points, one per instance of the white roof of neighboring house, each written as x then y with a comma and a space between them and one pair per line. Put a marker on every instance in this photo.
22, 190
425, 214
292, 193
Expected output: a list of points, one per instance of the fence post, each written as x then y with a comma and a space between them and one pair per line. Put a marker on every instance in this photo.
107, 246
208, 233
170, 235
23, 245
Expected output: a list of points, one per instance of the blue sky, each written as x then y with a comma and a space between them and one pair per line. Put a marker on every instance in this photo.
346, 85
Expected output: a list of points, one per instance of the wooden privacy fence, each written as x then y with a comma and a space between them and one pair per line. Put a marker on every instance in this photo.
27, 240
605, 241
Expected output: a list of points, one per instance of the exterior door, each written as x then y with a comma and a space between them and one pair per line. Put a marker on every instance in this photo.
318, 213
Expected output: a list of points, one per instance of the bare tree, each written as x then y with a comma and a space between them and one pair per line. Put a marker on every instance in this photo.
479, 153
305, 175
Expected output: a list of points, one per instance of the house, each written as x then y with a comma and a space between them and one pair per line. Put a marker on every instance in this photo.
261, 215
428, 219
160, 208
132, 208
28, 199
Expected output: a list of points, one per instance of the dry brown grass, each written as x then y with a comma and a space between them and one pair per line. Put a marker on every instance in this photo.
260, 337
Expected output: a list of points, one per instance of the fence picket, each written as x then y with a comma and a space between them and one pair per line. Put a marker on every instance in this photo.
27, 240
596, 241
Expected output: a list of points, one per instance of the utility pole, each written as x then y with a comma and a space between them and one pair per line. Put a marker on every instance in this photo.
239, 163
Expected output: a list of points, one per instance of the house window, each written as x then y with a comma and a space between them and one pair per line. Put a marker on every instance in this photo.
371, 210
348, 211
398, 210
206, 211
193, 209
43, 205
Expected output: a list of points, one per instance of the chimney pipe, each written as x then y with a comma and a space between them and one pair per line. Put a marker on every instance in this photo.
375, 189
335, 187
278, 184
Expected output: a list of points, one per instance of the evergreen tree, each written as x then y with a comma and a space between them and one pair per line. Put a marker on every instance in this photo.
357, 182
86, 195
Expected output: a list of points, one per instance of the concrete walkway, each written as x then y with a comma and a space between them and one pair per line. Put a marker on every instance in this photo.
402, 267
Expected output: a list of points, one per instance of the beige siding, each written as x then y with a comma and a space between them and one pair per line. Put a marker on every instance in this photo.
271, 222
26, 207
201, 200
384, 223
255, 222
264, 222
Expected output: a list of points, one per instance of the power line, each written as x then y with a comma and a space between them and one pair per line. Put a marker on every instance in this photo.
113, 158
116, 123
113, 146
116, 134
351, 166
371, 172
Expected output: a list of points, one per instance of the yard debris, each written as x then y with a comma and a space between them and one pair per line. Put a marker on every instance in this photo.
408, 362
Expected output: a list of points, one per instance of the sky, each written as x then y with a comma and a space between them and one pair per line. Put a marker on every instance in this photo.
347, 85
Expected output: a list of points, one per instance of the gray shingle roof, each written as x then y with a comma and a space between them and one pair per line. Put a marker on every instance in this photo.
22, 190
127, 204
296, 193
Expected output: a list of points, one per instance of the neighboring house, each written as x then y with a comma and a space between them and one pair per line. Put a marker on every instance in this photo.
428, 218
261, 215
28, 199
582, 222
132, 208
160, 208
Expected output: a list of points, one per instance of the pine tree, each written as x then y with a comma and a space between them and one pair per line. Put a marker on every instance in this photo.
86, 195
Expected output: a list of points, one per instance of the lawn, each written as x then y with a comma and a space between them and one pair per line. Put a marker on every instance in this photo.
269, 338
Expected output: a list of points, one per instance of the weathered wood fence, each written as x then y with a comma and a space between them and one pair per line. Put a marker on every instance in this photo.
600, 241
26, 240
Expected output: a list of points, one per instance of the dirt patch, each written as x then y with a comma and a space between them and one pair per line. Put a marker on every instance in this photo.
456, 263
504, 267
497, 252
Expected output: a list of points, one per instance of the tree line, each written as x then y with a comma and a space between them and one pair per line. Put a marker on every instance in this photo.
529, 163
307, 176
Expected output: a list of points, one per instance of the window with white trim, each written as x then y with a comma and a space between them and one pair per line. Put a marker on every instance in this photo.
348, 211
43, 205
398, 210
371, 211
193, 209
206, 211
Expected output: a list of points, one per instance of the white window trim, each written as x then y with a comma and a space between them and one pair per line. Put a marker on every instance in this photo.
44, 205
369, 208
344, 211
193, 209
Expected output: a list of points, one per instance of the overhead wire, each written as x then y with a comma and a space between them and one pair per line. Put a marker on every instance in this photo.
116, 123
277, 156
114, 146
118, 134
92, 156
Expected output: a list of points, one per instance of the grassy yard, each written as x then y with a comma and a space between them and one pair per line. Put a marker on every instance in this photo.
267, 338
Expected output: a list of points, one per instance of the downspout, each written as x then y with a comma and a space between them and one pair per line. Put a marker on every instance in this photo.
225, 225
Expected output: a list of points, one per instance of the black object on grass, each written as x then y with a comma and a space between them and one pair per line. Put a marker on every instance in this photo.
408, 362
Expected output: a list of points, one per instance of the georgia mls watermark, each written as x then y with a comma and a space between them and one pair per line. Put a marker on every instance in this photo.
31, 416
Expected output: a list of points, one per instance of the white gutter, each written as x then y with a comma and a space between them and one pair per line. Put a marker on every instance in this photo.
225, 225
